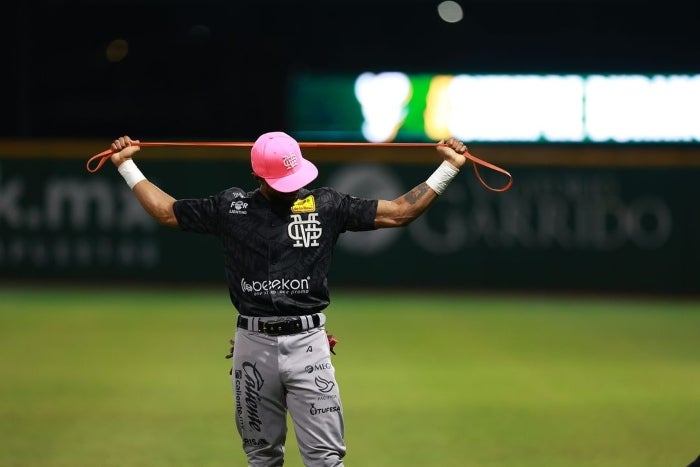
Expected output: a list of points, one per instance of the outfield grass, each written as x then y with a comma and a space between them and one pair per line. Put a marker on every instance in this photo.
138, 378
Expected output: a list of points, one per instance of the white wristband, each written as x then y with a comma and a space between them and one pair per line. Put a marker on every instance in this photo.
442, 177
131, 173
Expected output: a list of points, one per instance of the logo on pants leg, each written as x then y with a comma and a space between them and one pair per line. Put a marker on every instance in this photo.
318, 366
321, 410
253, 383
323, 384
255, 442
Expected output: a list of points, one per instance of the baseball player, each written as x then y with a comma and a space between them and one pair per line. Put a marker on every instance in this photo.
278, 242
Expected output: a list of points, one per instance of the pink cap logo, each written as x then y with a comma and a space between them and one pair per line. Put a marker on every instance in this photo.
290, 161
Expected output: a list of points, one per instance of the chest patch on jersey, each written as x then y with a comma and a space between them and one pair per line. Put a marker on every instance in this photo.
307, 204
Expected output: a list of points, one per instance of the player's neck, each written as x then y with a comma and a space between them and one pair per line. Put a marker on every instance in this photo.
277, 198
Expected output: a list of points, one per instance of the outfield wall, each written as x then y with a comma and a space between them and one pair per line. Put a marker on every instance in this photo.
576, 218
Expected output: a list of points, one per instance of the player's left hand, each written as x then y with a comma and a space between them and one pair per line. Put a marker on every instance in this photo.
452, 150
230, 355
331, 342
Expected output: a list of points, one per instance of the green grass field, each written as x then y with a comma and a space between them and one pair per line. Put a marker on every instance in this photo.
138, 378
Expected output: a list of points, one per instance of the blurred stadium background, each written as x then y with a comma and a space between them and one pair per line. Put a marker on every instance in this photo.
551, 325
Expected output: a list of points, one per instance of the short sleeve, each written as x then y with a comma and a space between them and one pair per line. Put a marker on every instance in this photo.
198, 215
357, 214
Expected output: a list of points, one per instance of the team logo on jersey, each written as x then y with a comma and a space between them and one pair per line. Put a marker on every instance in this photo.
307, 204
305, 232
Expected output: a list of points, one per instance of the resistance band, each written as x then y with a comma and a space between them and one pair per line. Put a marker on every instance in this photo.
102, 157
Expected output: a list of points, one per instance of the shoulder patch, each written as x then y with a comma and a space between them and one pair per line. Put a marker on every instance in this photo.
307, 204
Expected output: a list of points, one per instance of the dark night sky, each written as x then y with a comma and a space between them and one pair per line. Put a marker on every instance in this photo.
218, 69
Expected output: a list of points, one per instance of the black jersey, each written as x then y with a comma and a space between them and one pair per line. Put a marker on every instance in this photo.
277, 259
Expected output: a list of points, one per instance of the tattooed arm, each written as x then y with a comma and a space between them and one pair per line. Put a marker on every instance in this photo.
404, 209
408, 207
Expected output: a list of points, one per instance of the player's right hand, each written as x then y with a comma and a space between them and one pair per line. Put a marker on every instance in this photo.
452, 151
122, 150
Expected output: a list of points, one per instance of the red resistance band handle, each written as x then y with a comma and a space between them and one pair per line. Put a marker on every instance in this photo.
102, 157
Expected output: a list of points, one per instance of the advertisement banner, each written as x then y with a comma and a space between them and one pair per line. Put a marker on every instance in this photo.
557, 228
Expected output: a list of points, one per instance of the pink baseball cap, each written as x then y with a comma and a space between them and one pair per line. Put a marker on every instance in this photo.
277, 158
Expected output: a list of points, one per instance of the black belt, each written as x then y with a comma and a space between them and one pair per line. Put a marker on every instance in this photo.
281, 327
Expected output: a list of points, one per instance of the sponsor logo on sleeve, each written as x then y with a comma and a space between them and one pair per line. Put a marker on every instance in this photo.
238, 207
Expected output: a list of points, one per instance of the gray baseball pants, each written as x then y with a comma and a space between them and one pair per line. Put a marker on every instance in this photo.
276, 374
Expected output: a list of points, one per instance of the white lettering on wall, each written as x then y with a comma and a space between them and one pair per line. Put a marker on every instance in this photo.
585, 213
74, 222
